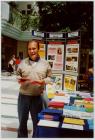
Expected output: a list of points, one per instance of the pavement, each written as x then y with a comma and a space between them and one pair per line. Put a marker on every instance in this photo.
9, 115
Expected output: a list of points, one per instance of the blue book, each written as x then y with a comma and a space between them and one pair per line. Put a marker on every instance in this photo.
75, 108
90, 123
52, 111
48, 117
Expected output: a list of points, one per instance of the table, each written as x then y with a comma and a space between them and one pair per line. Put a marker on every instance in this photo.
51, 132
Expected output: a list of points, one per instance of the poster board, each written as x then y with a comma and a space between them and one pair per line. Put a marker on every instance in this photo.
70, 82
55, 56
71, 59
42, 50
56, 86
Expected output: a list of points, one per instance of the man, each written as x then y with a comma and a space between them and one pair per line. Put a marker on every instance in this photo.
33, 73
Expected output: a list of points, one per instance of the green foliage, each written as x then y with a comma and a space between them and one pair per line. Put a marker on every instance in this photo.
67, 29
15, 18
29, 22
25, 22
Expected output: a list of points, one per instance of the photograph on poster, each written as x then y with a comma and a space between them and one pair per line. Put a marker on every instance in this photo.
71, 68
69, 59
74, 58
51, 64
69, 50
51, 57
59, 51
74, 50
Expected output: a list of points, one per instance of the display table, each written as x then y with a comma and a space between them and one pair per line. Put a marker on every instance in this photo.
68, 116
50, 132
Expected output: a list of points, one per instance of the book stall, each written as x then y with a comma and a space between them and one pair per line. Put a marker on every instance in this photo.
70, 112
67, 115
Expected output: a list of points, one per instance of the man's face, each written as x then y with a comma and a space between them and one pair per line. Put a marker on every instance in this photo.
33, 50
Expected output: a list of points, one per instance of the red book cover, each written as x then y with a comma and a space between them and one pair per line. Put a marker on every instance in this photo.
56, 104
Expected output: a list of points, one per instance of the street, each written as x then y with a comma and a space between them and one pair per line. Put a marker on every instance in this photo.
9, 115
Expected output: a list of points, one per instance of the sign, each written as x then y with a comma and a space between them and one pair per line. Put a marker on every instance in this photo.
55, 35
73, 34
37, 33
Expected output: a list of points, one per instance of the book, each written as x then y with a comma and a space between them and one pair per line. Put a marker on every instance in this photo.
74, 121
78, 114
72, 126
48, 123
48, 117
52, 111
56, 104
65, 100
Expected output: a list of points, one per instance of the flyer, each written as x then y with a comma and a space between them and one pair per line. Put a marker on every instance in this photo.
57, 84
70, 82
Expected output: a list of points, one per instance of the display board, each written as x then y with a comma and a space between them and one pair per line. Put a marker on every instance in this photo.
61, 50
57, 82
55, 56
70, 82
42, 50
71, 60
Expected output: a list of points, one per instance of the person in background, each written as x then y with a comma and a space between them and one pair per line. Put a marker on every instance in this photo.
90, 78
11, 64
17, 62
33, 74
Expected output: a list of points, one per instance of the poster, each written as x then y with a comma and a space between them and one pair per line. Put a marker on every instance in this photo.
71, 59
55, 55
42, 50
70, 82
56, 86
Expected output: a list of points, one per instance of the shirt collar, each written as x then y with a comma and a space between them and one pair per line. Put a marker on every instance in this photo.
37, 59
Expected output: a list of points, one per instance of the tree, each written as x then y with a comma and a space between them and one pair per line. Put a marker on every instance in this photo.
66, 16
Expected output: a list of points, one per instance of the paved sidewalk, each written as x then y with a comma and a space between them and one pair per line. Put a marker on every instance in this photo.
9, 116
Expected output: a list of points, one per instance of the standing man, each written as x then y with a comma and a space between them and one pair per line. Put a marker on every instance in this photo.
33, 73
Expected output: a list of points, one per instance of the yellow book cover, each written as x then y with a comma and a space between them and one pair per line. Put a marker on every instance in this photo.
51, 95
73, 121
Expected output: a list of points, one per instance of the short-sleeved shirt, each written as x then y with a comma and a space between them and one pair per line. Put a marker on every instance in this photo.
35, 71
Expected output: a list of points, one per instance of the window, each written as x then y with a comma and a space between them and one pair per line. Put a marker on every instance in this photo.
28, 12
28, 6
23, 12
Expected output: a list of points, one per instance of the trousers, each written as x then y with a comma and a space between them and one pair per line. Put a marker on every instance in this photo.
26, 104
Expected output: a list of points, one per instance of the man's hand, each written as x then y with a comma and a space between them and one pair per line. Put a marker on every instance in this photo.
40, 82
22, 80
